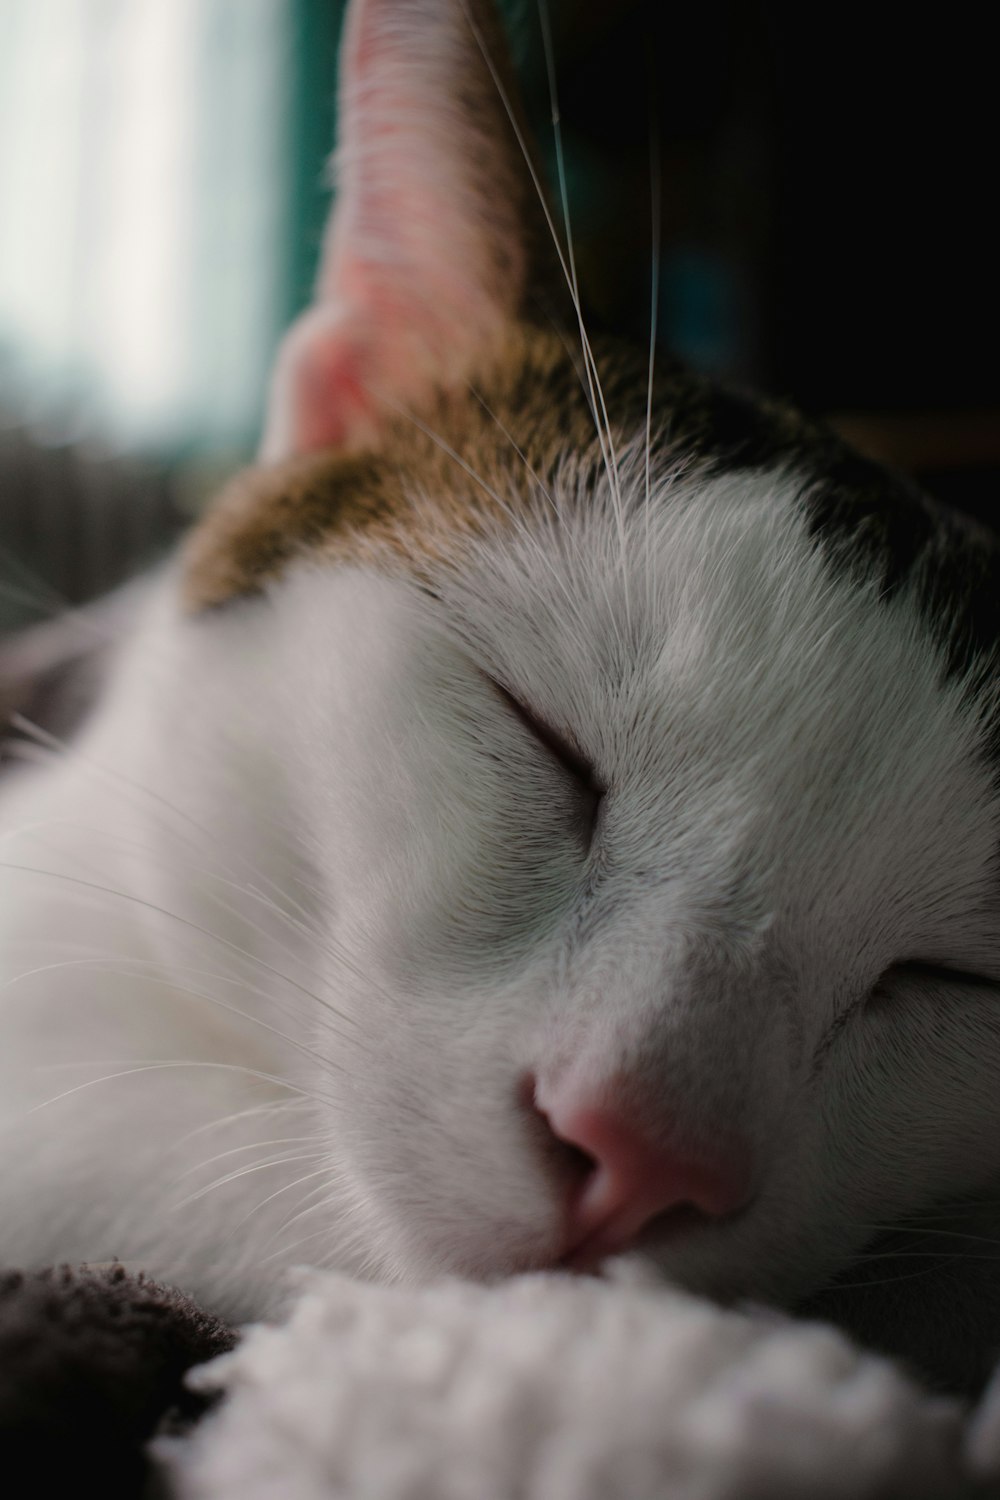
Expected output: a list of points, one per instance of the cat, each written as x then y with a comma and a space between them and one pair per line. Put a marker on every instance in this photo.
546, 813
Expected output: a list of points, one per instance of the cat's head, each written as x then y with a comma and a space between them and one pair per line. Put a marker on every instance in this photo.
649, 825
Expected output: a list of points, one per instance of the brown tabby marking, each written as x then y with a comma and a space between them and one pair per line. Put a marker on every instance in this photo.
362, 506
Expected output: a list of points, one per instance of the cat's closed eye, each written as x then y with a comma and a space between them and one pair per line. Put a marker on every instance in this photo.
921, 971
566, 754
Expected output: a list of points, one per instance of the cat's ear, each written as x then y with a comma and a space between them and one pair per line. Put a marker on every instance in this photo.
425, 257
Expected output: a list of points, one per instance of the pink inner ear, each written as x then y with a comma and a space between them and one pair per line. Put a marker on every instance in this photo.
423, 263
319, 393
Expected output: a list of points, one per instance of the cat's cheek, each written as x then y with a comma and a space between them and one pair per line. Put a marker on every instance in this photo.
450, 869
443, 835
430, 1135
908, 1100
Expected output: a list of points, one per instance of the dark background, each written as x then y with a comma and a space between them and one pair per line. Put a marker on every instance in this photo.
829, 183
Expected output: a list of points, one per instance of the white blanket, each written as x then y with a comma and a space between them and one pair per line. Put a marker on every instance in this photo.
558, 1388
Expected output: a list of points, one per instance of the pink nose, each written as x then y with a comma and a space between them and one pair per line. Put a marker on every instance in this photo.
632, 1179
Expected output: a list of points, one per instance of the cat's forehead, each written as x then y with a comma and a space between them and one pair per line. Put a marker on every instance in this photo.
693, 609
748, 631
477, 459
534, 444
776, 736
533, 434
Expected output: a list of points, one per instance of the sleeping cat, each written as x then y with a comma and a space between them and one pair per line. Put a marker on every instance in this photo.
546, 813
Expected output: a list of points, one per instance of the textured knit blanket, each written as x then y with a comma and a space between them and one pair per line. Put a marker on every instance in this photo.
541, 1388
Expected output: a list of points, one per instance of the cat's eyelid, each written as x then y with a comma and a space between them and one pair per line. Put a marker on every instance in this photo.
557, 742
944, 973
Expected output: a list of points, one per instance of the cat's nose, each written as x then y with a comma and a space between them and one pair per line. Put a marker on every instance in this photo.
626, 1178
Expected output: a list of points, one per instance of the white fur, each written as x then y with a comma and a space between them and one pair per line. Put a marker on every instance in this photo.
303, 838
552, 1389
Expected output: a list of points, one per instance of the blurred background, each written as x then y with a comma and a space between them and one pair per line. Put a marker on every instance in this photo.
826, 177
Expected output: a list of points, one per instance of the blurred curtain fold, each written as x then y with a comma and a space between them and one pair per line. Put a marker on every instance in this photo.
144, 147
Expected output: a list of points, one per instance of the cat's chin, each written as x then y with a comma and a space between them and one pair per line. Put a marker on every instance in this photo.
669, 1228
723, 1262
678, 1259
753, 1254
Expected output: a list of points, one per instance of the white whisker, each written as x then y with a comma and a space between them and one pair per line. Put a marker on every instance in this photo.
604, 431
655, 211
128, 896
153, 1067
241, 1172
221, 1122
281, 1140
323, 1171
139, 969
